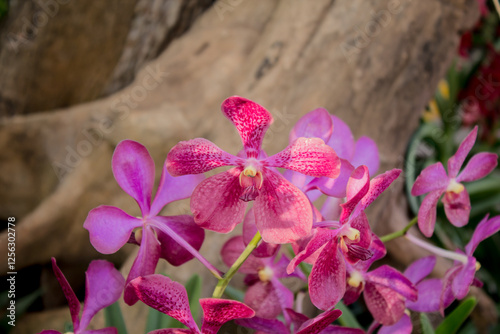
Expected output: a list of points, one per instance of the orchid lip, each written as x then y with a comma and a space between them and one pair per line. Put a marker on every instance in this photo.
455, 187
266, 274
355, 279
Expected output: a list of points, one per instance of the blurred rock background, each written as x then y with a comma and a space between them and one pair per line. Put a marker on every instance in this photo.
77, 77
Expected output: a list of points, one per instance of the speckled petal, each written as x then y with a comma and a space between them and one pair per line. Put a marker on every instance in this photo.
427, 213
478, 167
217, 312
457, 160
432, 178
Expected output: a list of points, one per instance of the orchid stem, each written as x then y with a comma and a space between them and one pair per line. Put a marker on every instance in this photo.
400, 233
224, 281
436, 250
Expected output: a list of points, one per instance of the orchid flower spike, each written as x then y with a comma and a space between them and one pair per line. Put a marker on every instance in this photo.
170, 297
436, 182
103, 286
282, 212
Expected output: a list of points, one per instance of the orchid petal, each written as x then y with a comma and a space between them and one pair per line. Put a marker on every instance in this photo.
310, 156
217, 312
331, 208
403, 326
282, 212
420, 269
341, 139
357, 187
263, 299
485, 229
334, 187
264, 249
262, 325
103, 286
464, 278
185, 227
316, 123
478, 167
144, 264
366, 153
320, 322
429, 296
297, 318
391, 278
361, 224
197, 156
427, 213
432, 178
166, 296
134, 170
327, 281
457, 160
109, 228
216, 203
332, 329
279, 269
314, 248
457, 207
107, 330
73, 303
231, 251
284, 296
49, 331
174, 331
386, 305
378, 250
173, 189
251, 121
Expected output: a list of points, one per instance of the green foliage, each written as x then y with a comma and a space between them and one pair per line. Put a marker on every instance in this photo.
426, 324
455, 319
114, 318
347, 318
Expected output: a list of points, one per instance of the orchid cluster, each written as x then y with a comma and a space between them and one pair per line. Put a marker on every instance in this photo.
308, 224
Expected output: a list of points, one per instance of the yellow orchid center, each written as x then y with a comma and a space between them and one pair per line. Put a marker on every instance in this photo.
478, 265
455, 187
355, 279
265, 274
352, 234
138, 235
250, 171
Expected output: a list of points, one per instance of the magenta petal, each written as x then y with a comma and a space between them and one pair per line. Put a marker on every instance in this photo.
251, 121
316, 123
332, 329
144, 264
341, 139
134, 170
262, 298
103, 286
283, 213
429, 296
185, 227
432, 178
386, 306
107, 330
310, 156
216, 203
264, 249
478, 167
391, 278
313, 249
217, 312
457, 160
485, 229
49, 331
109, 228
73, 303
366, 153
232, 249
457, 207
420, 269
175, 331
334, 187
197, 156
262, 325
464, 278
358, 250
327, 281
357, 187
331, 208
403, 326
427, 213
320, 322
166, 296
173, 189
297, 318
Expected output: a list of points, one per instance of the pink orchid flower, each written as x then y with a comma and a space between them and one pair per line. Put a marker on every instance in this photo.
104, 285
320, 324
385, 290
267, 296
282, 212
170, 297
176, 238
436, 182
329, 249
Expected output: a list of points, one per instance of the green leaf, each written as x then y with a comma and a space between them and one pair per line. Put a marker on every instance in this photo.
193, 288
114, 318
347, 319
21, 305
426, 324
455, 319
234, 293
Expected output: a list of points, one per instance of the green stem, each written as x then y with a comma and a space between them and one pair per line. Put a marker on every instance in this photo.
400, 233
224, 281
